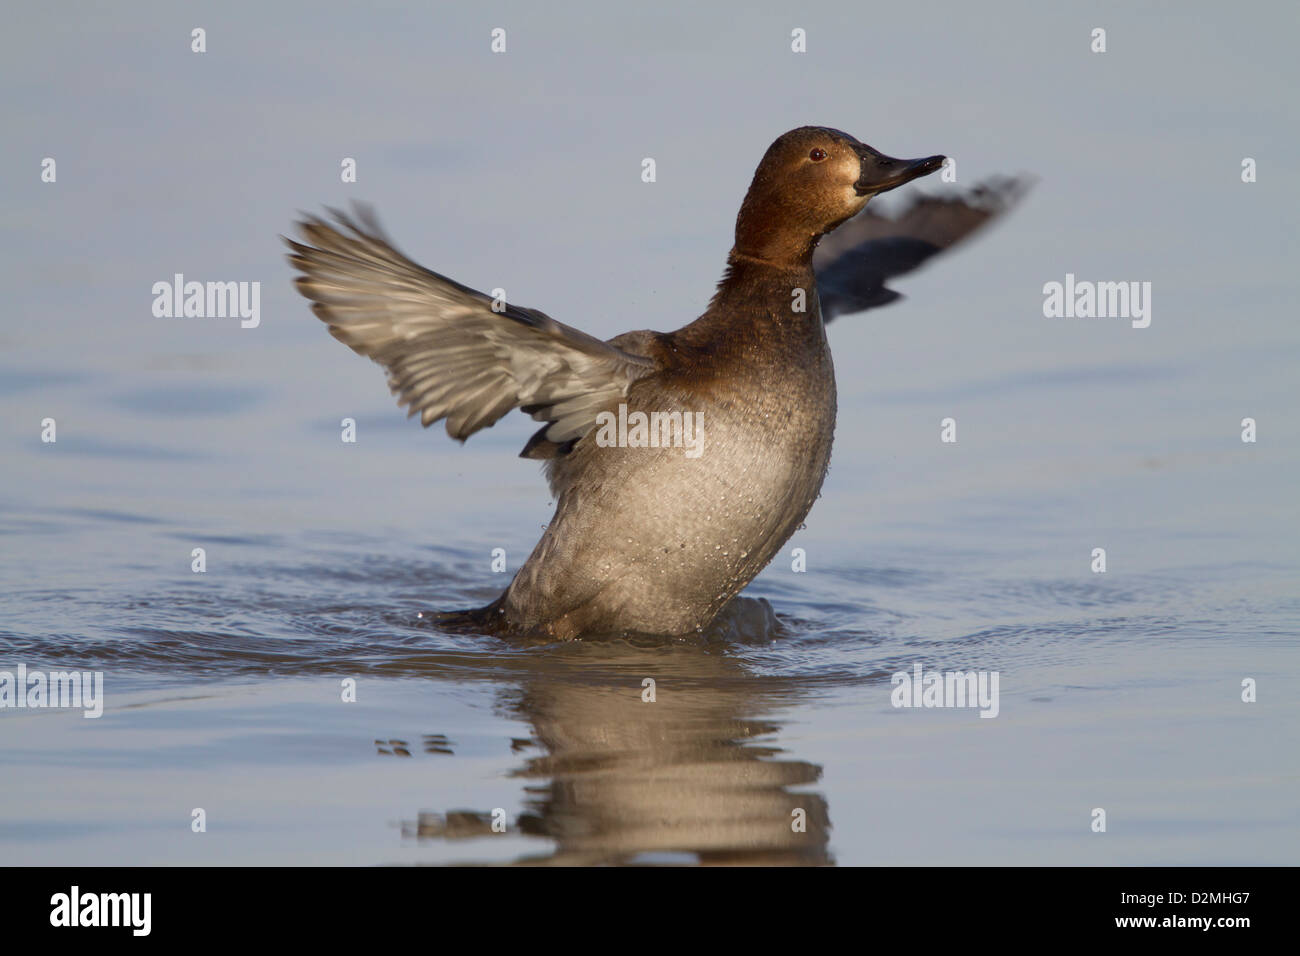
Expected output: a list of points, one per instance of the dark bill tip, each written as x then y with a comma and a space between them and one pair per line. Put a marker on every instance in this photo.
881, 173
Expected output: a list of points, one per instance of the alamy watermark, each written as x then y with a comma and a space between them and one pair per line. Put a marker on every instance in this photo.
1083, 299
75, 908
653, 430
37, 689
208, 300
931, 688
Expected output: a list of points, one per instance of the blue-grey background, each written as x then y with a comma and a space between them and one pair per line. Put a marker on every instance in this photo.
522, 171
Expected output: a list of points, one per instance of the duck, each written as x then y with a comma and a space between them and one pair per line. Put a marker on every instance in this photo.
680, 462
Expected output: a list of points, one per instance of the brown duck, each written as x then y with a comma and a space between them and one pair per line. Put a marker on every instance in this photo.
656, 527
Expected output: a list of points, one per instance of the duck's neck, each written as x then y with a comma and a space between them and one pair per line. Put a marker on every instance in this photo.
799, 261
775, 226
770, 293
748, 277
784, 248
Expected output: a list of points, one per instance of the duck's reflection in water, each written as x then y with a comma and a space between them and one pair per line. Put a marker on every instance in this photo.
692, 776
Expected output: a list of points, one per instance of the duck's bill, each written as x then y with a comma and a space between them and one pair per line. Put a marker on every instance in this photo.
881, 173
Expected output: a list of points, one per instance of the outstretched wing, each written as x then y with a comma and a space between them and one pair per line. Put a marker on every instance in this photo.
854, 263
448, 353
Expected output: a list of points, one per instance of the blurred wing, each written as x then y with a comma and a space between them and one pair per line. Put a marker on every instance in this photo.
448, 353
854, 263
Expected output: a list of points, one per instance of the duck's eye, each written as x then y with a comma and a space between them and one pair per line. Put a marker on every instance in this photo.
817, 155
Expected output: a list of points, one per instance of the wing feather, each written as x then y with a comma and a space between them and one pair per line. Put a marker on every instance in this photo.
854, 263
449, 354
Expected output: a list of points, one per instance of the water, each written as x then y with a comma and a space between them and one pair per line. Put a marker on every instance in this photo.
224, 689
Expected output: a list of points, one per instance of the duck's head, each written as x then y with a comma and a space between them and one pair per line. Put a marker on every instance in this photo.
811, 180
